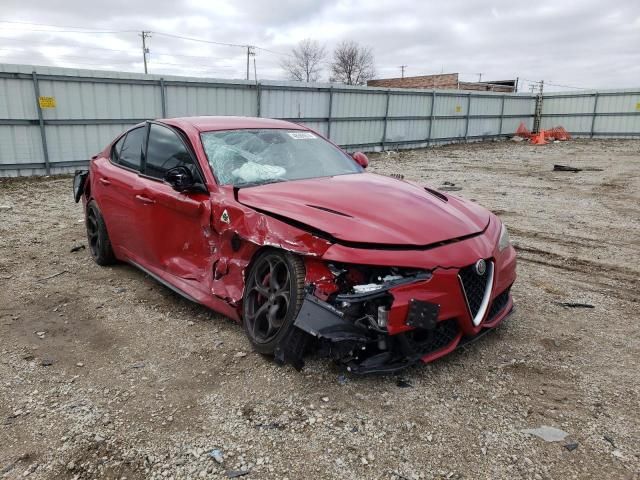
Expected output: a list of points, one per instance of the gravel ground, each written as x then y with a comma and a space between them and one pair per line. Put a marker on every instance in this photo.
106, 374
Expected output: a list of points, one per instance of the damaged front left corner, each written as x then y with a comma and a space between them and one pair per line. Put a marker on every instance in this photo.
350, 326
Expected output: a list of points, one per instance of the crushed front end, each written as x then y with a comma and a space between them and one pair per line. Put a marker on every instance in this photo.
412, 306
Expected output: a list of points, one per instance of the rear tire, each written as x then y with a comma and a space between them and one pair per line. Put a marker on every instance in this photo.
97, 236
274, 292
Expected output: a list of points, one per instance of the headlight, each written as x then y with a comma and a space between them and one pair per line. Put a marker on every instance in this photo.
504, 241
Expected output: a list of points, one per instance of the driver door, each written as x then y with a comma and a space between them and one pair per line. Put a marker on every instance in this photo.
177, 225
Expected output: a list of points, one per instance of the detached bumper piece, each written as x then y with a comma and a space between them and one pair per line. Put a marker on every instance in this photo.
365, 347
361, 347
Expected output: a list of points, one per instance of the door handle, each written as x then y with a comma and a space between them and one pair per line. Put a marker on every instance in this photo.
144, 199
104, 181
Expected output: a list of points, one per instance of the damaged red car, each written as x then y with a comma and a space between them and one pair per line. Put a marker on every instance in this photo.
269, 223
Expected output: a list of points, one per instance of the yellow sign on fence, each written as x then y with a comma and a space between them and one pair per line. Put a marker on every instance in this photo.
47, 102
458, 108
638, 106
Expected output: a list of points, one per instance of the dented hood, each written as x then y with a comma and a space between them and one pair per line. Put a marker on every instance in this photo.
369, 208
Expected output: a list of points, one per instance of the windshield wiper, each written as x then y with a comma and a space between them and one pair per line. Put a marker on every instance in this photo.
263, 182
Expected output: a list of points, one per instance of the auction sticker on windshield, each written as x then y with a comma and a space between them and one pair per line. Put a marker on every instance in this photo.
302, 135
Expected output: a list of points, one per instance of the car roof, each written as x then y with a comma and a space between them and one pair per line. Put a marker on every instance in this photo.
210, 123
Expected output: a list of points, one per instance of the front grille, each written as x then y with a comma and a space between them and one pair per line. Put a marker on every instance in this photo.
425, 341
499, 303
476, 289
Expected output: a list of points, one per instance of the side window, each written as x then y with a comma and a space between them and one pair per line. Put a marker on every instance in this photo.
131, 152
115, 151
165, 151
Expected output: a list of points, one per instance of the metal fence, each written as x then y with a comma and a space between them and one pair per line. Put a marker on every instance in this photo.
53, 119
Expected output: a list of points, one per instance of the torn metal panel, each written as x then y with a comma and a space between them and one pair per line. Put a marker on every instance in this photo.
238, 232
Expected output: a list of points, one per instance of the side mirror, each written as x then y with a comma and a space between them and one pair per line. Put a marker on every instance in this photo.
180, 178
361, 159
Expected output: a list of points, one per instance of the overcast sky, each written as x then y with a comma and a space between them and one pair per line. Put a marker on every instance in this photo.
580, 43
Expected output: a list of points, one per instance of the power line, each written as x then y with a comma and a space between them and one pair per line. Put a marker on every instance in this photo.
171, 35
554, 84
83, 29
271, 51
164, 34
70, 59
130, 52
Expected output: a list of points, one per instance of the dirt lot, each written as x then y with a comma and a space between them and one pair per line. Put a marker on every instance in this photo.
106, 374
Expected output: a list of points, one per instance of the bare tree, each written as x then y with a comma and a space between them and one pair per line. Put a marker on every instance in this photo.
305, 63
352, 64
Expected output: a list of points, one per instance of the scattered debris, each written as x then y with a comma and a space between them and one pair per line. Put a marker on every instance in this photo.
138, 365
450, 184
450, 189
402, 383
571, 446
77, 248
517, 138
610, 440
617, 453
240, 354
236, 473
565, 168
5, 208
216, 454
342, 379
54, 275
41, 334
548, 434
80, 364
575, 305
46, 362
398, 176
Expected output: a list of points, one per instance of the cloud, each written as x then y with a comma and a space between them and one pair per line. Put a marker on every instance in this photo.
575, 43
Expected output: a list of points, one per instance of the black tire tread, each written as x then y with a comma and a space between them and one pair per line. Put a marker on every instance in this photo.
105, 255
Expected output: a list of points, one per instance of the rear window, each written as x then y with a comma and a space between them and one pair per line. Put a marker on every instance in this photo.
115, 151
131, 152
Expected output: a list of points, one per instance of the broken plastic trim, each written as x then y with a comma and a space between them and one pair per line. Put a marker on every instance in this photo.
79, 182
357, 297
321, 320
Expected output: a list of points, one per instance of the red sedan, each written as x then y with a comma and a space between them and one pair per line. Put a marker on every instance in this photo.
269, 223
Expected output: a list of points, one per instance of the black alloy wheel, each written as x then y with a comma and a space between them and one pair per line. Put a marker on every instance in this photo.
97, 237
274, 292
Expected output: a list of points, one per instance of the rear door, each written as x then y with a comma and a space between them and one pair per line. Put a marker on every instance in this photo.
116, 188
177, 225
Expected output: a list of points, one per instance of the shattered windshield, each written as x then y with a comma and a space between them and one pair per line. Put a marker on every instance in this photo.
253, 157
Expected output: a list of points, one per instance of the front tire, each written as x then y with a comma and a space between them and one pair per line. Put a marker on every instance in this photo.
274, 292
97, 236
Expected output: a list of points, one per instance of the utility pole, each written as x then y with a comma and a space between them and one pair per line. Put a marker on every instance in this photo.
250, 51
145, 50
255, 70
479, 77
538, 111
402, 67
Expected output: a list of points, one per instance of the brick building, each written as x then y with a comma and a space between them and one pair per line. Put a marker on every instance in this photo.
444, 81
